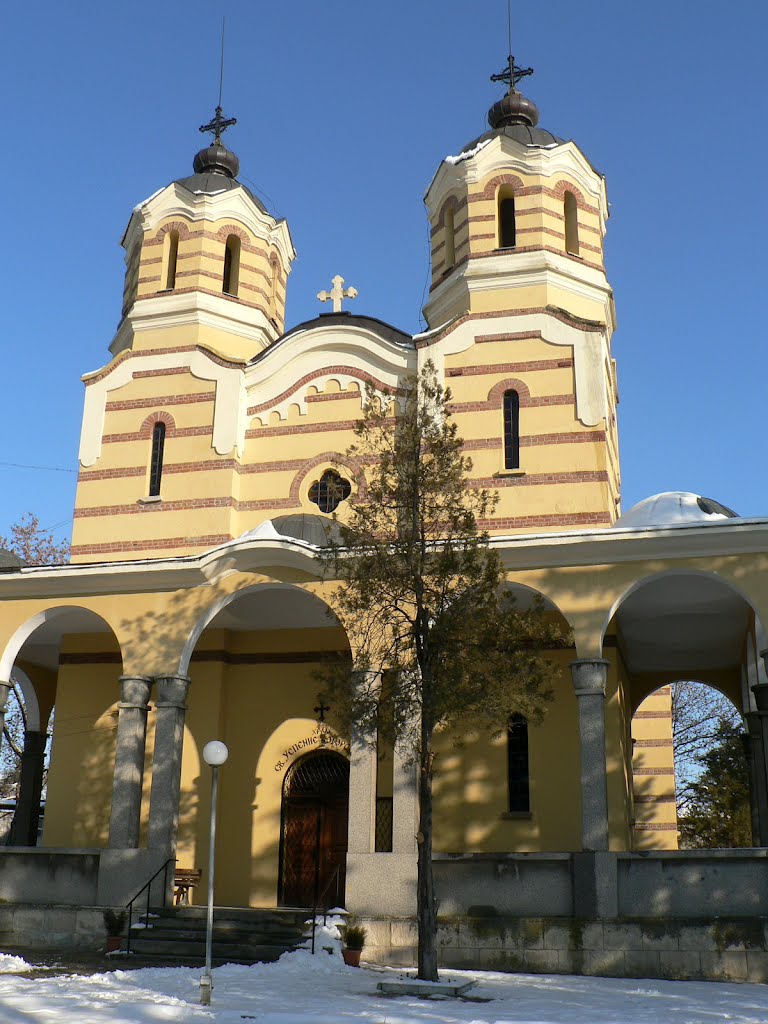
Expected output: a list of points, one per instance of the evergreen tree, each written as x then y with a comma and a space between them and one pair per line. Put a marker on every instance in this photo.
718, 810
436, 641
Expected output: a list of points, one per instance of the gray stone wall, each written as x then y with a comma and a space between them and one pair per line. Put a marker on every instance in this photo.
734, 949
34, 926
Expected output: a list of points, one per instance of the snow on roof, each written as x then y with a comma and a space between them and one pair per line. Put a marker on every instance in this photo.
148, 199
468, 153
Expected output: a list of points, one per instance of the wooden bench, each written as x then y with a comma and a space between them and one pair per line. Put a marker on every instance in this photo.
185, 879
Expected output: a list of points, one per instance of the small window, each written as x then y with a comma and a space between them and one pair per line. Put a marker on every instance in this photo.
275, 268
329, 491
156, 460
172, 257
511, 430
506, 216
450, 239
231, 280
517, 765
571, 215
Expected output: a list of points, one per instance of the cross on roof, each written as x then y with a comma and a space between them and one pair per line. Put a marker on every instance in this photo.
218, 124
512, 73
338, 293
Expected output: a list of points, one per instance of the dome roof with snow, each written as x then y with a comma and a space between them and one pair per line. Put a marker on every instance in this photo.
673, 507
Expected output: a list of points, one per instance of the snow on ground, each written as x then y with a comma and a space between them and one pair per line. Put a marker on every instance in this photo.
302, 989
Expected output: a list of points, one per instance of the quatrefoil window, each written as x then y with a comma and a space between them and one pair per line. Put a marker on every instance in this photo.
329, 491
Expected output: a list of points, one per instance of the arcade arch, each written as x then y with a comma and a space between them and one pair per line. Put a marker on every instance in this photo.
67, 656
672, 628
252, 660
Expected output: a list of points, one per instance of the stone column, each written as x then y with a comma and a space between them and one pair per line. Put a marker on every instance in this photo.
27, 816
132, 711
757, 723
5, 689
362, 786
405, 804
589, 679
751, 743
166, 763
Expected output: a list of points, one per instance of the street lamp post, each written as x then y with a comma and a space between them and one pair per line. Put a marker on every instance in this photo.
215, 754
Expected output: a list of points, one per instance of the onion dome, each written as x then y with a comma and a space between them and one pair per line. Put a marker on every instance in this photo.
216, 159
514, 108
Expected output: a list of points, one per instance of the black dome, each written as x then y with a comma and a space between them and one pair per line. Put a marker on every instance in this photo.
216, 159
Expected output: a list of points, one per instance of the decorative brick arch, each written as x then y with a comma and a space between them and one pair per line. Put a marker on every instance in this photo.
233, 229
451, 203
496, 394
174, 225
274, 261
158, 417
561, 187
328, 460
492, 186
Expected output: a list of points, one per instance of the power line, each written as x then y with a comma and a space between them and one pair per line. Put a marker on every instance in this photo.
47, 469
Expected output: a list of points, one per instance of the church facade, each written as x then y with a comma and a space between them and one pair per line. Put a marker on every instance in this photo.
214, 447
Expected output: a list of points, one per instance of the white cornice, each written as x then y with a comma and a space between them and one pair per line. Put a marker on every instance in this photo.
505, 154
229, 401
507, 271
304, 352
233, 204
182, 309
518, 553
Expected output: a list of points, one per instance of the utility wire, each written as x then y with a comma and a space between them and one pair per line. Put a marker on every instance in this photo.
47, 469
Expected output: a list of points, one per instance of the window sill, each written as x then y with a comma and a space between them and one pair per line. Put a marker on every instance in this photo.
510, 472
151, 499
516, 816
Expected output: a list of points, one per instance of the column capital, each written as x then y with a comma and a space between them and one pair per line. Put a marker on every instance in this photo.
135, 691
764, 656
760, 691
172, 691
589, 676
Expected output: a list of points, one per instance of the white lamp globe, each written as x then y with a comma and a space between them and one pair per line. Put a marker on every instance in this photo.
215, 753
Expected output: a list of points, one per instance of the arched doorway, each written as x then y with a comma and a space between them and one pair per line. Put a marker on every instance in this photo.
313, 833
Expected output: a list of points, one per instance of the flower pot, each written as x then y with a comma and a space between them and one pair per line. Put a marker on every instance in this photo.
114, 942
351, 957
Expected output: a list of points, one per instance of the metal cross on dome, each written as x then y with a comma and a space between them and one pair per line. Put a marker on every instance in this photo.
218, 124
512, 73
338, 293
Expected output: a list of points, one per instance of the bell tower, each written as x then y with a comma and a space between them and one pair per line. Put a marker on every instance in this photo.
517, 221
164, 423
206, 261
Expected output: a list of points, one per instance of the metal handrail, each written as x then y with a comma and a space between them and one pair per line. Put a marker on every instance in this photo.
319, 899
148, 887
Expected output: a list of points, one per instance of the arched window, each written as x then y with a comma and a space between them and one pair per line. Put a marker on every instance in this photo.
275, 269
450, 240
571, 215
518, 776
156, 459
329, 491
511, 430
506, 217
172, 255
231, 280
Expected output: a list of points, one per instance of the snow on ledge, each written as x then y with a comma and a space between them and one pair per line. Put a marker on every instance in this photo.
468, 153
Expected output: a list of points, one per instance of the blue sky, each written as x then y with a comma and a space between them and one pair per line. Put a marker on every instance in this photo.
344, 112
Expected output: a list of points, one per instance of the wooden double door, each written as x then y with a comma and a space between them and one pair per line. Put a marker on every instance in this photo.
313, 842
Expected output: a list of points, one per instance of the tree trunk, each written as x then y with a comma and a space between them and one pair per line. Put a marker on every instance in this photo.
426, 909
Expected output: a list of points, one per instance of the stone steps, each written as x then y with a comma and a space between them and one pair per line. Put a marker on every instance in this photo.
240, 935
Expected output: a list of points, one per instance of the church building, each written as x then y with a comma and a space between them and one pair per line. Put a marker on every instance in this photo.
212, 456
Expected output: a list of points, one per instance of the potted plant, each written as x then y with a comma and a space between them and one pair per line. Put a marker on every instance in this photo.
114, 922
354, 940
